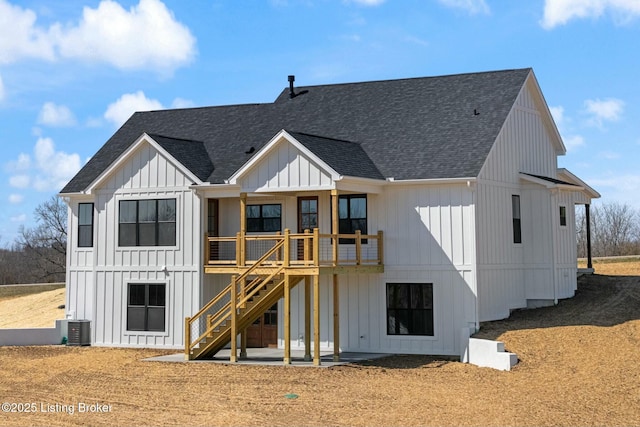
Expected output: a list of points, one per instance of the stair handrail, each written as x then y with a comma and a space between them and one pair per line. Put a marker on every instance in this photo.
256, 288
191, 320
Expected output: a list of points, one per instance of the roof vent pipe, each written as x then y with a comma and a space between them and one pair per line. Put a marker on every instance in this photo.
292, 94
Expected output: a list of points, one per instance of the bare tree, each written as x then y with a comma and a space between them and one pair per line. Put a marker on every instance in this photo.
45, 245
615, 230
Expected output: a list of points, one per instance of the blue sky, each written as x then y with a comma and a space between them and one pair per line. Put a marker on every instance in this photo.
71, 72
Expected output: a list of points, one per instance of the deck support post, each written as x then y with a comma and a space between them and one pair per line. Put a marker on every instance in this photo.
334, 225
187, 339
336, 319
307, 319
316, 320
587, 215
233, 357
287, 319
243, 229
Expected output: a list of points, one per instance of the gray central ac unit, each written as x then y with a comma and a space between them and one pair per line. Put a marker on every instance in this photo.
79, 332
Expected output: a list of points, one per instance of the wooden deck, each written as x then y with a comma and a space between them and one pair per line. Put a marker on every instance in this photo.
303, 254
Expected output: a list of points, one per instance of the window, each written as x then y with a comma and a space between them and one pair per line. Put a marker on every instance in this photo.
410, 309
146, 306
515, 208
263, 218
563, 216
352, 215
147, 222
85, 225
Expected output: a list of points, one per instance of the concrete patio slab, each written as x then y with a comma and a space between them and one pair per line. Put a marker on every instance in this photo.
273, 357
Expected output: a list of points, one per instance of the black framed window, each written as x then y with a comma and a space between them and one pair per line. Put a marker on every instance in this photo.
352, 215
146, 307
517, 227
85, 225
563, 216
410, 309
264, 218
147, 222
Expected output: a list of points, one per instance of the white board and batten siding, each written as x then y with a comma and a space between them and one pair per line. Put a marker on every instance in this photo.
509, 273
79, 277
286, 168
429, 238
147, 174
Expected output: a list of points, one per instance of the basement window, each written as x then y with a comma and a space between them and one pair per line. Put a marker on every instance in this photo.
410, 309
563, 216
146, 307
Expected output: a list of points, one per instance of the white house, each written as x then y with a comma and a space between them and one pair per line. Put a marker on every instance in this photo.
382, 216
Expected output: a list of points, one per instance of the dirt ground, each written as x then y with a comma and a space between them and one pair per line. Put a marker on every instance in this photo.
578, 367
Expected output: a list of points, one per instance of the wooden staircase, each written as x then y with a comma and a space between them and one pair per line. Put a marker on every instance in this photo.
241, 303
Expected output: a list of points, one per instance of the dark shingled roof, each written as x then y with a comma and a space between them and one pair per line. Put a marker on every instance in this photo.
191, 154
346, 158
421, 128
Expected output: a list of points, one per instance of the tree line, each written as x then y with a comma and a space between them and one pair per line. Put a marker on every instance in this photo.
615, 230
38, 254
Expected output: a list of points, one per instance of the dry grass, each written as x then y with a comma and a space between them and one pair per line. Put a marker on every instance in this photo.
615, 266
38, 310
578, 366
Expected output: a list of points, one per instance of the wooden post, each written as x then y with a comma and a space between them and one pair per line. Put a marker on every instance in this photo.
187, 338
336, 319
316, 247
243, 344
307, 319
307, 247
207, 249
234, 324
587, 215
358, 247
287, 318
287, 247
238, 247
243, 333
243, 228
334, 224
380, 248
316, 320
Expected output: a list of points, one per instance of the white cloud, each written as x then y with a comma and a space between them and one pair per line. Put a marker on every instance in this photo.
19, 218
368, 2
572, 142
54, 168
182, 103
15, 199
609, 155
19, 36
471, 6
47, 170
56, 115
147, 36
558, 114
119, 111
559, 12
19, 181
604, 110
22, 164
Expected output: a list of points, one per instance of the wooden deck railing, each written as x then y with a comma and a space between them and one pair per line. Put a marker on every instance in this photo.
303, 249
